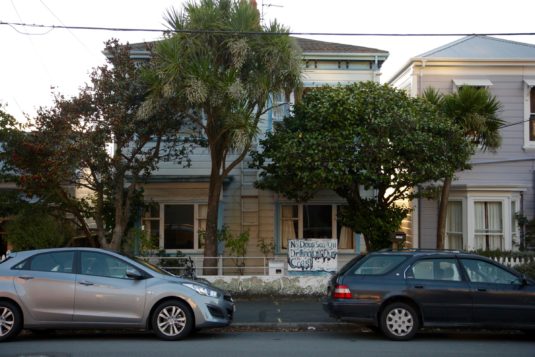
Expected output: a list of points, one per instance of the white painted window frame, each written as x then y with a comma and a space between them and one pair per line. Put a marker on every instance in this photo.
528, 85
468, 206
463, 222
161, 222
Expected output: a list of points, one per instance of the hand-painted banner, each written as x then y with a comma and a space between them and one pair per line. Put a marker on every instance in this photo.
312, 255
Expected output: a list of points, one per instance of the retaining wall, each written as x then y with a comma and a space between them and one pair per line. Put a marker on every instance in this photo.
272, 285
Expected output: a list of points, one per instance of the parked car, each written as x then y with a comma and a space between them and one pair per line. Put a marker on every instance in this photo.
398, 292
78, 288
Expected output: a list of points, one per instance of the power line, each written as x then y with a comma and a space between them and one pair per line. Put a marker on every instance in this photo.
124, 29
61, 22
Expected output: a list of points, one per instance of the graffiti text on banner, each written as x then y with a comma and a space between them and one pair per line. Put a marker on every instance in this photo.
312, 255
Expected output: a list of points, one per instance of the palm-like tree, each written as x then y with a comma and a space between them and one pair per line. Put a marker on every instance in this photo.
475, 111
220, 80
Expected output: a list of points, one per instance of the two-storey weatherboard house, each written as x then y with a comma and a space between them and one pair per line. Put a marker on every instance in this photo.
178, 196
484, 200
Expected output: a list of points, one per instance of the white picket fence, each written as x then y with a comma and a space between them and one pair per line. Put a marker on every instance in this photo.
513, 261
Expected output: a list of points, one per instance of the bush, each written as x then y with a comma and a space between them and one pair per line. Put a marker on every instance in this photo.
527, 269
34, 229
504, 254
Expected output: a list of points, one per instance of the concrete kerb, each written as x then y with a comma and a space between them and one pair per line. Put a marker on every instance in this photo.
296, 326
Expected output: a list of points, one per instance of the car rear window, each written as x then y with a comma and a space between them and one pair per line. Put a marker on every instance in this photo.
379, 264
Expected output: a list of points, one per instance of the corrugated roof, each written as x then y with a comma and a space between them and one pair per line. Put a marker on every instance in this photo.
483, 48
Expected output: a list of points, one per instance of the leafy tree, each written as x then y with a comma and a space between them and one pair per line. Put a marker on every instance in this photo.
101, 142
474, 110
219, 75
369, 143
11, 201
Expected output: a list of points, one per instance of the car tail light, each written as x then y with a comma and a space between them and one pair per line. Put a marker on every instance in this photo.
341, 292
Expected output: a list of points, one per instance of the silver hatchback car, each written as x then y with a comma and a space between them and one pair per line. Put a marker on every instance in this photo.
80, 288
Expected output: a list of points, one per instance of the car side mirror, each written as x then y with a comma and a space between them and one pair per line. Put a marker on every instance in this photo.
522, 280
133, 274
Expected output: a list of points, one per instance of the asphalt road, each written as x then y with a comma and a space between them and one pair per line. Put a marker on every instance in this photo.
233, 342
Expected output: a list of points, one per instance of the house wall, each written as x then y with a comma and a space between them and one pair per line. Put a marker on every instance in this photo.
511, 167
243, 207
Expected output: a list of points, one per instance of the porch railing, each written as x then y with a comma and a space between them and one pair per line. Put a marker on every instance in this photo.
229, 265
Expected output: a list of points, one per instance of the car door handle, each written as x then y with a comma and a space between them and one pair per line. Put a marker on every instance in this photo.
86, 283
26, 277
418, 286
481, 289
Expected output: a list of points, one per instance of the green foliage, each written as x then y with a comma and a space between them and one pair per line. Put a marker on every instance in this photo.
236, 246
529, 231
505, 254
141, 240
528, 269
376, 222
174, 263
34, 228
267, 248
370, 143
11, 202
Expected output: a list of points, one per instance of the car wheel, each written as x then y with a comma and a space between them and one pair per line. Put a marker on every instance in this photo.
10, 320
172, 320
399, 321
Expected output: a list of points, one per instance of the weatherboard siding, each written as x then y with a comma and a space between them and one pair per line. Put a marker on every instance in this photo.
510, 167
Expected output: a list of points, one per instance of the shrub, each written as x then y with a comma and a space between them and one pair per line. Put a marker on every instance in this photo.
528, 269
34, 229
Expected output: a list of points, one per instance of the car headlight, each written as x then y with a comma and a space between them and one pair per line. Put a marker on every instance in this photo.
202, 290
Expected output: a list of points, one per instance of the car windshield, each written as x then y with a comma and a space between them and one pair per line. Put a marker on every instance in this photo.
151, 266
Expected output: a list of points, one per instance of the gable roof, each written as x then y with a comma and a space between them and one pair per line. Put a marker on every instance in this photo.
475, 48
483, 48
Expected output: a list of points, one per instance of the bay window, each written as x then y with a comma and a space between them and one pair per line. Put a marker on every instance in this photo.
483, 221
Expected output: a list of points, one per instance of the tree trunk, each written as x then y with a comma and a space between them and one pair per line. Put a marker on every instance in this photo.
210, 243
442, 213
122, 213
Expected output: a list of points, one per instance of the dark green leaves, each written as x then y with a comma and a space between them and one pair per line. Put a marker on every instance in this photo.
364, 135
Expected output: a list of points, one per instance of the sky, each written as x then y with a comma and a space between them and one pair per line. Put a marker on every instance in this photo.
35, 60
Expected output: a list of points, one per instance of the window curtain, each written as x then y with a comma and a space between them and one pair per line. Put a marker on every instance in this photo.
345, 240
488, 225
454, 225
289, 229
201, 218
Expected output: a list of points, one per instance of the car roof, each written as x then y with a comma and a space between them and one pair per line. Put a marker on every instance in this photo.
426, 252
26, 253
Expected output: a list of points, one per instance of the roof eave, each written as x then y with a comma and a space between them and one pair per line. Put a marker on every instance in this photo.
346, 55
